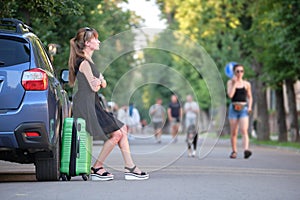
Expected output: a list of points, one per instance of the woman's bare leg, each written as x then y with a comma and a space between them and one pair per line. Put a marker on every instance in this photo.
125, 150
244, 124
234, 126
118, 137
124, 147
106, 150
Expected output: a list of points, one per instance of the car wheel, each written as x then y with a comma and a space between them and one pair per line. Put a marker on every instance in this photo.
48, 169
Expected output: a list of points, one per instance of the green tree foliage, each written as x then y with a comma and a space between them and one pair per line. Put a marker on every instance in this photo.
45, 10
278, 22
57, 21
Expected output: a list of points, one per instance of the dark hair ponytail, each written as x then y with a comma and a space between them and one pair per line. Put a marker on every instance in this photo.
76, 50
77, 44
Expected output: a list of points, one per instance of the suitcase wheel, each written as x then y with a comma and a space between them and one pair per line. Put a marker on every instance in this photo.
84, 177
63, 177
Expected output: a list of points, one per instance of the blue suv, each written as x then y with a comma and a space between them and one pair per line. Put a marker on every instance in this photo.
33, 103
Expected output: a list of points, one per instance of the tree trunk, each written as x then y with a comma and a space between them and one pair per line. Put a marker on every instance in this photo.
262, 120
294, 128
281, 116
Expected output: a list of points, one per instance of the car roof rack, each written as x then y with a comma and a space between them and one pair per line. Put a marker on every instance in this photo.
14, 25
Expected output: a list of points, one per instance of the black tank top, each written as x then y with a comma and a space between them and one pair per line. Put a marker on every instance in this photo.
240, 95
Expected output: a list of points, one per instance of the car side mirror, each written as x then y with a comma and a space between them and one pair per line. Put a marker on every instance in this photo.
64, 75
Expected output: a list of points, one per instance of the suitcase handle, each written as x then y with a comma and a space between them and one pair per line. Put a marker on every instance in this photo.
77, 147
78, 126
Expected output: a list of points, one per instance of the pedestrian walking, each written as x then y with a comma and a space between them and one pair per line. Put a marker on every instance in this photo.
191, 112
157, 113
192, 140
174, 116
133, 120
86, 105
239, 91
123, 114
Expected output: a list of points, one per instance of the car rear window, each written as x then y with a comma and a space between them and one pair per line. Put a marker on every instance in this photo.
13, 52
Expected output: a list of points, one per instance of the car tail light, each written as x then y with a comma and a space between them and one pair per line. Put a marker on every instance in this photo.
35, 79
32, 134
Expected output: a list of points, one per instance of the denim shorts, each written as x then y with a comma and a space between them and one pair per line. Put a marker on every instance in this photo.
233, 114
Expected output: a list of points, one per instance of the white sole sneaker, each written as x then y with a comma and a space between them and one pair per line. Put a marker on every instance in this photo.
194, 154
97, 177
133, 176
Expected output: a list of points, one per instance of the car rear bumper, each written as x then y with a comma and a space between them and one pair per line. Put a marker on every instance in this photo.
32, 142
23, 148
19, 140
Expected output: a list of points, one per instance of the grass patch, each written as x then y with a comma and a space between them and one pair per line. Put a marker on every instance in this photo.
273, 143
277, 144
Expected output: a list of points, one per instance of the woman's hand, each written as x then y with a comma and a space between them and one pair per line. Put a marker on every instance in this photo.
234, 79
249, 111
231, 86
101, 77
96, 82
103, 81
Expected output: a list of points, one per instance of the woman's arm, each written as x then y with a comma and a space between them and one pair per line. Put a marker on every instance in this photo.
95, 83
249, 96
231, 86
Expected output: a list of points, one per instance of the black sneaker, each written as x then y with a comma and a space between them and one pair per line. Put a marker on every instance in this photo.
247, 154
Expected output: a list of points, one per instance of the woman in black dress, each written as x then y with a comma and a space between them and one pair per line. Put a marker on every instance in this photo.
86, 105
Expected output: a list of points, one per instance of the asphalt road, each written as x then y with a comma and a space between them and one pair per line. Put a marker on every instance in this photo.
271, 173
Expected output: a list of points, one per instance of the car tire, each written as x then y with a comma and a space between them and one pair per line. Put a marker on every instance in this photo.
48, 169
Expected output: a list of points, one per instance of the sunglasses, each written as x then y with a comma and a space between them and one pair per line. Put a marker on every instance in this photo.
239, 71
86, 29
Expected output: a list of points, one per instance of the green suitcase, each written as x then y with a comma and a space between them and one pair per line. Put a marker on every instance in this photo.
76, 149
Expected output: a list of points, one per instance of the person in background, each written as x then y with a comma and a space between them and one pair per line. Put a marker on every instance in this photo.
239, 91
174, 116
113, 108
157, 113
191, 111
133, 122
86, 105
123, 114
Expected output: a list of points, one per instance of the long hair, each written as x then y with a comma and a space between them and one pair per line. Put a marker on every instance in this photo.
77, 45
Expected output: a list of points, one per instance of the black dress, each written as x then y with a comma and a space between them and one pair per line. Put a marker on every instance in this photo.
87, 105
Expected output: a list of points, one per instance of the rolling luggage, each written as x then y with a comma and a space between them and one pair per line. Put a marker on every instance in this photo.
76, 150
